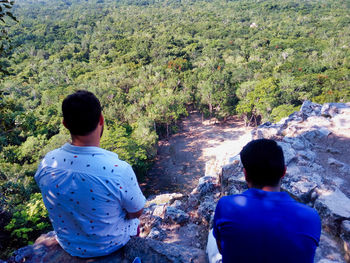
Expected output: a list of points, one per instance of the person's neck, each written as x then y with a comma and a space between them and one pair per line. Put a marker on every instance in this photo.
267, 188
271, 188
84, 141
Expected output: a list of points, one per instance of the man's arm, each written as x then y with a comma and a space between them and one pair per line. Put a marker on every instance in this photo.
134, 215
218, 243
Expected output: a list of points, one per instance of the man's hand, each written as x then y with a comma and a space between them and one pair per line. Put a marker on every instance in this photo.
218, 243
134, 215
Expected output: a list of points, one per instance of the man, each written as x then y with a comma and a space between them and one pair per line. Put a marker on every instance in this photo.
263, 224
92, 197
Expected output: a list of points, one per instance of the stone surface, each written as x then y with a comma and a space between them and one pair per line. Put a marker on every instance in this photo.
328, 250
176, 215
47, 250
163, 199
157, 234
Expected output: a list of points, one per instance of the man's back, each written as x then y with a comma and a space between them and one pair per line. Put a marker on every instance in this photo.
87, 191
260, 226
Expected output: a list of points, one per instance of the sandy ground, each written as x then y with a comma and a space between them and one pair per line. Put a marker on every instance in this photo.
182, 157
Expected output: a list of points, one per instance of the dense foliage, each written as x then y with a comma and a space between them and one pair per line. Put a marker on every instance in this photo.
149, 61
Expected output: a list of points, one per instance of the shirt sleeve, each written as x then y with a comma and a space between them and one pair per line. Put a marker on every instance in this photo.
132, 198
217, 216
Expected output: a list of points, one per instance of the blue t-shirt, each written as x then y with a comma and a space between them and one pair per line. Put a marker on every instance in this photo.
266, 227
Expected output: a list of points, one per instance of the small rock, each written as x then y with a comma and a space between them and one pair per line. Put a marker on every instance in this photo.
157, 234
159, 211
176, 215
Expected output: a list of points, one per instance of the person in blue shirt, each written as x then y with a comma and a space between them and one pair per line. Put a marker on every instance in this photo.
264, 224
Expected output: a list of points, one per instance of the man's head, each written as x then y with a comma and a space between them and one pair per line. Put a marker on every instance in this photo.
81, 112
263, 162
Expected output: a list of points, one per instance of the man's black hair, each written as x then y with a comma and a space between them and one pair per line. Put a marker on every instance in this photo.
263, 161
81, 112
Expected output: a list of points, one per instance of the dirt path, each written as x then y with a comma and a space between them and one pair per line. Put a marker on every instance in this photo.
181, 159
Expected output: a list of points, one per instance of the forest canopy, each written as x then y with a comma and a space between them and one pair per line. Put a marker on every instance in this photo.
150, 62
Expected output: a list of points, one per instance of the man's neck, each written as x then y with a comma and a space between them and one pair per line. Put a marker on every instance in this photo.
84, 141
266, 188
271, 188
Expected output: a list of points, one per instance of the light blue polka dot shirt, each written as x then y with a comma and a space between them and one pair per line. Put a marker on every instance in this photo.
87, 191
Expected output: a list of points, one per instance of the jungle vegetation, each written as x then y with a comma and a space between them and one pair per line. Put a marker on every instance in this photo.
150, 62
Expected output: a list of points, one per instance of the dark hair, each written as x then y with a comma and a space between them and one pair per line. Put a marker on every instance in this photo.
263, 161
81, 112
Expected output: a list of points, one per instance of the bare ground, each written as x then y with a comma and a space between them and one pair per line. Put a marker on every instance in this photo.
181, 158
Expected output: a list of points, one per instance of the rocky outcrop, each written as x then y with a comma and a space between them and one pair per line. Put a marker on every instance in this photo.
46, 249
315, 141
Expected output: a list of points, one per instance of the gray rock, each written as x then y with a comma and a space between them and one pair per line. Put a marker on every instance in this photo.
318, 133
176, 215
267, 131
310, 109
177, 204
236, 187
345, 236
206, 209
159, 211
307, 155
345, 229
332, 109
163, 199
333, 150
332, 206
288, 151
157, 234
328, 250
232, 172
193, 200
206, 188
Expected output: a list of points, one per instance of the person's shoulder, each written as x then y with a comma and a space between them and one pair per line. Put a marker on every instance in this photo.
51, 155
114, 158
231, 199
306, 211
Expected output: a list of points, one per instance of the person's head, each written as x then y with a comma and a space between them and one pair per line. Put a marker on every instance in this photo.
263, 162
81, 112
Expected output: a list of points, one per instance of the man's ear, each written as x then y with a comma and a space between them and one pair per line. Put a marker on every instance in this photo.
102, 120
247, 179
64, 123
245, 175
284, 172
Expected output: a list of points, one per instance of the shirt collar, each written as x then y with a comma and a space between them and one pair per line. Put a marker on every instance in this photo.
261, 194
81, 149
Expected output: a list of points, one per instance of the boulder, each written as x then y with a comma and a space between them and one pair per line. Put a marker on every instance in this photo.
333, 207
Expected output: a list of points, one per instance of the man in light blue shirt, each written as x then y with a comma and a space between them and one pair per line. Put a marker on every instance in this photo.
92, 197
